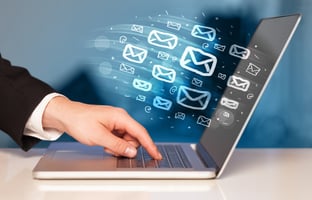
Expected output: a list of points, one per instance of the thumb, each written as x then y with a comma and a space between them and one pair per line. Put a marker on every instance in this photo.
119, 146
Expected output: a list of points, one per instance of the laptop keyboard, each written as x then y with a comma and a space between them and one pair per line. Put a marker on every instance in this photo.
173, 157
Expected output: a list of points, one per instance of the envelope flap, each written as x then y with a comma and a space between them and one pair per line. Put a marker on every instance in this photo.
162, 37
203, 119
199, 57
238, 81
205, 30
239, 50
194, 95
136, 51
163, 70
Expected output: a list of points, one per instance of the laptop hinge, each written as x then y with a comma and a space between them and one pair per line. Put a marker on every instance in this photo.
205, 157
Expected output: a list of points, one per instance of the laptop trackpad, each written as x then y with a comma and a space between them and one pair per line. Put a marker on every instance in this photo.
92, 158
76, 154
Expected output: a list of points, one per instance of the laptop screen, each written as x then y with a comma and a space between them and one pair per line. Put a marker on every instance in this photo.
168, 69
179, 71
245, 86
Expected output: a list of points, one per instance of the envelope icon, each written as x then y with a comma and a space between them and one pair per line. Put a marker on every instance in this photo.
197, 82
174, 25
253, 69
179, 115
163, 73
239, 52
198, 61
238, 83
204, 121
204, 32
229, 103
163, 55
222, 76
141, 85
141, 98
126, 68
137, 28
134, 53
162, 103
162, 39
219, 47
193, 99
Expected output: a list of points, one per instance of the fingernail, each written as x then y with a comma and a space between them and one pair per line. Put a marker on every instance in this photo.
130, 152
159, 155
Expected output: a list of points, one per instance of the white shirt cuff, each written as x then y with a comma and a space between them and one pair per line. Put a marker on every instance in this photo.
34, 127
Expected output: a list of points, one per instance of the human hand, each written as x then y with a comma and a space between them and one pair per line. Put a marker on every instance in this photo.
95, 125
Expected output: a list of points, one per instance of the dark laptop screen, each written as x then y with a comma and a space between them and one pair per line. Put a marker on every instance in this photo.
246, 84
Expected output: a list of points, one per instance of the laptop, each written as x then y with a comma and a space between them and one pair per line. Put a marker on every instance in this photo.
208, 158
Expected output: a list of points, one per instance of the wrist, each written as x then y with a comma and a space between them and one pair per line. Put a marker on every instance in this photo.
55, 113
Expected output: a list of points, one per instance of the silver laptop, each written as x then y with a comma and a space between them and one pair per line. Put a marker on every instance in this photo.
208, 158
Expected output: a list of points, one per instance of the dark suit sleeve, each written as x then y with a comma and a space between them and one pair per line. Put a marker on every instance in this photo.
20, 94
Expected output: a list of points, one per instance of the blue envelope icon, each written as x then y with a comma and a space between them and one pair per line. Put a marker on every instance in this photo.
204, 32
162, 103
193, 99
198, 61
162, 39
163, 73
141, 85
134, 53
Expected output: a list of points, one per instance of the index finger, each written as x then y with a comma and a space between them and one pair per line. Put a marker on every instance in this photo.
136, 130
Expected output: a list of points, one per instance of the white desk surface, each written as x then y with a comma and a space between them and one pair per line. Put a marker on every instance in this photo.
251, 174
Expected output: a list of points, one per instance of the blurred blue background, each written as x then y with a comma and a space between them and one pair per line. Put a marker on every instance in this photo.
50, 39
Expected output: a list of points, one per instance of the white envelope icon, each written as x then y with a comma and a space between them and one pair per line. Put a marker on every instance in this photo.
238, 83
162, 103
219, 47
204, 121
126, 68
137, 28
204, 32
198, 61
163, 73
134, 53
197, 82
222, 76
229, 103
239, 51
253, 69
193, 99
141, 98
179, 115
162, 39
163, 55
141, 85
174, 25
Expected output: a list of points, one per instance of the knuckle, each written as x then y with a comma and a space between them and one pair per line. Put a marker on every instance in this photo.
119, 146
121, 111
